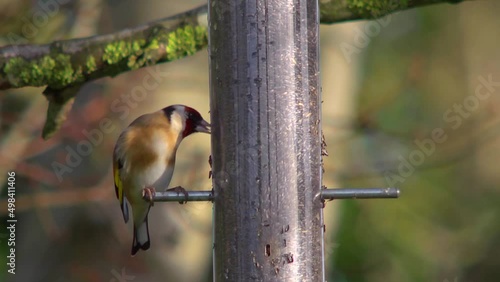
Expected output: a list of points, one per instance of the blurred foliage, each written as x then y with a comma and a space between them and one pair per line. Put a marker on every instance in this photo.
443, 228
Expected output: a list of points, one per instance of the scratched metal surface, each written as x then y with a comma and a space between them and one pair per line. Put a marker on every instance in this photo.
265, 110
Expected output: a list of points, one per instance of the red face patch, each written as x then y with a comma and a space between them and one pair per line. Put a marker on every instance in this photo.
189, 128
193, 118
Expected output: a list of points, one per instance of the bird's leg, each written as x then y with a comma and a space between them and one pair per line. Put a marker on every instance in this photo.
149, 192
179, 190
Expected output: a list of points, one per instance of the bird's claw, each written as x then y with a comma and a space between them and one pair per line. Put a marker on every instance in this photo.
179, 190
210, 163
149, 192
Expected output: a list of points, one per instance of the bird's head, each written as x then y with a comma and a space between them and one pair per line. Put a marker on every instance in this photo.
187, 119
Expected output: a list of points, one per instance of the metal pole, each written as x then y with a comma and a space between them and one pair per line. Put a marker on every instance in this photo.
266, 140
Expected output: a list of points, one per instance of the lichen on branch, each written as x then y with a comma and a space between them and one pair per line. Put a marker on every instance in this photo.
65, 63
334, 11
64, 66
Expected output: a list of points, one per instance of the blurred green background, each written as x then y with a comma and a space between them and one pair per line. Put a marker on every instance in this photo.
388, 85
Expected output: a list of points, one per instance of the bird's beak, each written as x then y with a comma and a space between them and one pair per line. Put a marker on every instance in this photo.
203, 126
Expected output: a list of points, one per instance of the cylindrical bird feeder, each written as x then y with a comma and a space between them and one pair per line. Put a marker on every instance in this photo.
266, 140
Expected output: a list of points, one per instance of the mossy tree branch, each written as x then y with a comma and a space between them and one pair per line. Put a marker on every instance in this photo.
335, 11
64, 66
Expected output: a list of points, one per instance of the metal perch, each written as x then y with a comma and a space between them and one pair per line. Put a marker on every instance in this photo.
326, 194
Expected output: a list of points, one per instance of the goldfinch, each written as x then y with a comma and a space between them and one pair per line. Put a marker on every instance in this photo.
144, 159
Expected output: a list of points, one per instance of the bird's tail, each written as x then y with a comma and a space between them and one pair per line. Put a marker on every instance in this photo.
141, 237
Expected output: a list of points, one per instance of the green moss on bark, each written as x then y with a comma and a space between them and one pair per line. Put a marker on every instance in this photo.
375, 8
117, 51
56, 71
90, 64
185, 41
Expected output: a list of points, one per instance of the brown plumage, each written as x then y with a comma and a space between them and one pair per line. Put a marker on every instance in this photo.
144, 159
